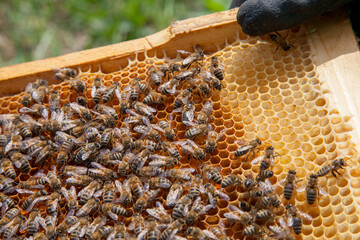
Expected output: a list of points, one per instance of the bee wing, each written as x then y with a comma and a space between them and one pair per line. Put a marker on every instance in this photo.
240, 142
111, 235
231, 216
153, 212
77, 107
98, 193
290, 221
190, 116
73, 227
142, 130
65, 192
86, 155
83, 230
112, 215
131, 112
148, 109
258, 159
89, 188
39, 199
183, 52
97, 165
301, 188
9, 146
172, 197
179, 238
4, 208
235, 209
209, 234
322, 191
195, 203
93, 91
28, 119
223, 195
24, 191
305, 215
207, 105
45, 113
119, 185
282, 181
42, 222
142, 234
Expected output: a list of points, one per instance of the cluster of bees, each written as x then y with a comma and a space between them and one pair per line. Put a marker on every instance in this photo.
112, 172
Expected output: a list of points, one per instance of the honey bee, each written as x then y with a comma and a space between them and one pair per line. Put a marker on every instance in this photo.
9, 215
313, 189
171, 230
139, 160
124, 103
110, 92
82, 101
54, 101
45, 153
21, 161
3, 143
211, 172
289, 184
70, 197
189, 147
247, 148
333, 168
78, 85
212, 140
7, 168
125, 191
199, 234
65, 73
187, 115
267, 159
24, 130
144, 199
79, 180
214, 194
78, 229
159, 182
160, 213
156, 75
216, 68
179, 173
219, 232
170, 149
137, 224
109, 192
282, 231
135, 118
26, 99
87, 193
264, 174
83, 153
30, 201
149, 171
88, 207
14, 144
136, 185
39, 94
149, 131
253, 230
134, 88
6, 184
83, 112
101, 232
152, 231
188, 74
183, 97
96, 224
174, 194
11, 228
154, 98
66, 224
125, 135
196, 211
36, 181
280, 41
112, 210
167, 129
264, 214
196, 186
32, 223
54, 181
163, 161
294, 218
195, 57
52, 205
169, 87
97, 90
237, 215
49, 224
202, 88
144, 109
195, 131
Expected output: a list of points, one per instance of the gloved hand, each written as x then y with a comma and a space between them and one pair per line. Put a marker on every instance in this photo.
259, 17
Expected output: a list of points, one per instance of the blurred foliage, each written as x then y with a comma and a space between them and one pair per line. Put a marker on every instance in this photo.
37, 29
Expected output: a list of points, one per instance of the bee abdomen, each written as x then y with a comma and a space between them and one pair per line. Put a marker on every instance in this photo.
219, 74
288, 191
323, 171
311, 195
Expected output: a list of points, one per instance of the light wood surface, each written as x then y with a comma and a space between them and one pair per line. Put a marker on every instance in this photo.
336, 55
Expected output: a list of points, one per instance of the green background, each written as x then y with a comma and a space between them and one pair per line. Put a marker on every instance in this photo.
37, 29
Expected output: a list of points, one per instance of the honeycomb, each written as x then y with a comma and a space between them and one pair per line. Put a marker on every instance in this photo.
277, 97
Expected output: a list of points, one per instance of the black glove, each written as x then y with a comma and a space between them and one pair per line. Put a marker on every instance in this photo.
259, 17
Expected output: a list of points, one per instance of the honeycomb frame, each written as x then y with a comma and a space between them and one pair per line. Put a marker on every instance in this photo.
259, 101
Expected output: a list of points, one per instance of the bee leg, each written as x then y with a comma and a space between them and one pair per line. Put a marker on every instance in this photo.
280, 34
277, 49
